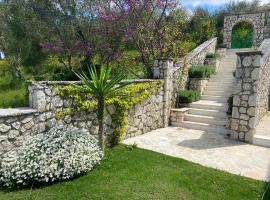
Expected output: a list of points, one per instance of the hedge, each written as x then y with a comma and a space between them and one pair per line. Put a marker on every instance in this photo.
201, 71
188, 96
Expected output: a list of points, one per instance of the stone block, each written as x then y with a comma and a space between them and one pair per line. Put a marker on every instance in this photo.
4, 128
244, 117
13, 134
252, 122
255, 75
257, 61
252, 101
251, 111
247, 61
236, 100
235, 124
247, 86
242, 110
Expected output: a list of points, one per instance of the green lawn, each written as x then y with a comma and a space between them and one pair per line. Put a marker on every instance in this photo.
131, 173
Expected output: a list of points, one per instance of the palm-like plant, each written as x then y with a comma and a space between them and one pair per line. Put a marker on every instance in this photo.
102, 88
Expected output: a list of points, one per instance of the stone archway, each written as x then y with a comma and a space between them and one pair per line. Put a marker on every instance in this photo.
256, 19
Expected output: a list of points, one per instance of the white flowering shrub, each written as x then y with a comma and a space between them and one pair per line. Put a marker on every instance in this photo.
61, 154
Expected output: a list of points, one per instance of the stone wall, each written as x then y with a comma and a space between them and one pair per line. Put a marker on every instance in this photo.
251, 94
176, 74
181, 69
153, 113
256, 19
18, 124
264, 80
198, 84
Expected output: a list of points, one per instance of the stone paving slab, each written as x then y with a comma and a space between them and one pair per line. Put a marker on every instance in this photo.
208, 149
264, 126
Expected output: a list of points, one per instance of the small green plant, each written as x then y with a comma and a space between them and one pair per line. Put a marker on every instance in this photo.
102, 87
213, 55
230, 105
188, 96
201, 71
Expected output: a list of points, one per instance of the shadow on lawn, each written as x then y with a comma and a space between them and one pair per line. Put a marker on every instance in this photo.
210, 140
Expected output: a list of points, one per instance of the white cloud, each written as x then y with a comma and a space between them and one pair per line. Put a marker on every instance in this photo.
211, 2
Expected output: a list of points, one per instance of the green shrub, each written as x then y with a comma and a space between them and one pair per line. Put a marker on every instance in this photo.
213, 55
230, 105
13, 98
188, 96
63, 153
201, 71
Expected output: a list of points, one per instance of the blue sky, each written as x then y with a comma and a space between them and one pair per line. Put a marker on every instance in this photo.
211, 5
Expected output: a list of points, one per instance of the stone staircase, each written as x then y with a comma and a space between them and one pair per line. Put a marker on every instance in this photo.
210, 113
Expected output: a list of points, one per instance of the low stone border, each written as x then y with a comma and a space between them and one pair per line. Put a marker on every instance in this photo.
178, 115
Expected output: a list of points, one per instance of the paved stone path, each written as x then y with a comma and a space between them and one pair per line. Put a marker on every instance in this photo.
262, 136
264, 126
208, 149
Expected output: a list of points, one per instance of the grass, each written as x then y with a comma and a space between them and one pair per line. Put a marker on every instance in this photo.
13, 98
135, 174
13, 93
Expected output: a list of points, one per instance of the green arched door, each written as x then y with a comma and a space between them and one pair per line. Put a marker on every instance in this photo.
242, 35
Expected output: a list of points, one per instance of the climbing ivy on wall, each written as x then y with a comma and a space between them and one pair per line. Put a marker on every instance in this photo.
242, 35
130, 96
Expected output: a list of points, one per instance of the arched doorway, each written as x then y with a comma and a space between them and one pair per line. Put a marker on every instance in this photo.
242, 35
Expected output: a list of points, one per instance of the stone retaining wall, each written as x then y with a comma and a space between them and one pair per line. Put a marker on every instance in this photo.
251, 94
153, 113
18, 124
198, 84
256, 19
181, 69
176, 74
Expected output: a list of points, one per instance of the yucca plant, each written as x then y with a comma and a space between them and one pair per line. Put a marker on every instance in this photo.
102, 87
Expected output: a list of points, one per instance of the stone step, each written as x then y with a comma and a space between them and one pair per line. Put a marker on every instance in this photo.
211, 113
224, 74
218, 99
217, 93
228, 64
216, 82
206, 119
209, 105
219, 84
261, 140
229, 80
221, 77
202, 126
220, 89
226, 70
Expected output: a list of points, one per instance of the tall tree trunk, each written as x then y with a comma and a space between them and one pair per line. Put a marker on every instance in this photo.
101, 108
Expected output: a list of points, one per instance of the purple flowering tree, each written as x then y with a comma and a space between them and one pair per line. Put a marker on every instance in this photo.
97, 32
143, 22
